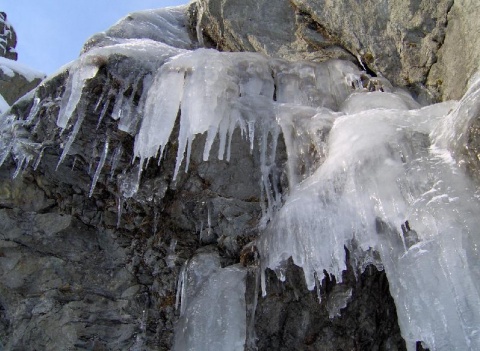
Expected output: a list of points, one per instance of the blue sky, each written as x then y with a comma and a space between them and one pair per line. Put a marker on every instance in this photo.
51, 32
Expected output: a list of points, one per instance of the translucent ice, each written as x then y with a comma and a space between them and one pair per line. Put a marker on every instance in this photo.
213, 309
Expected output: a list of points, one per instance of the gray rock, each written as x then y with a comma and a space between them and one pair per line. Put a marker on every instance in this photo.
12, 88
398, 40
274, 28
290, 317
459, 56
407, 42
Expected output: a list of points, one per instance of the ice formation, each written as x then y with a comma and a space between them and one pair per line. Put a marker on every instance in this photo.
368, 168
213, 308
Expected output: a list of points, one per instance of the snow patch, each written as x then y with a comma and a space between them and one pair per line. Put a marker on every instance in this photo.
10, 68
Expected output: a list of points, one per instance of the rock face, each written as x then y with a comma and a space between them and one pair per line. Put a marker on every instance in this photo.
459, 56
96, 267
398, 40
8, 38
274, 28
407, 42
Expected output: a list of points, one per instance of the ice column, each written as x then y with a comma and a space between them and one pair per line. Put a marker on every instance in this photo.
213, 308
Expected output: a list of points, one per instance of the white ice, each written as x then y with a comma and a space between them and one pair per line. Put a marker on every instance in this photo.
386, 164
166, 25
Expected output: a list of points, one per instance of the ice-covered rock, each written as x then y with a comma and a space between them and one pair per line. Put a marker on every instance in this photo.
144, 150
166, 25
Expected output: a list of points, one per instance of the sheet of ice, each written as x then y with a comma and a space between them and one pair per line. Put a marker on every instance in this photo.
452, 134
381, 169
213, 308
10, 67
325, 84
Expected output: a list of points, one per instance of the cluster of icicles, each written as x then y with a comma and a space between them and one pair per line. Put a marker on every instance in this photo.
360, 164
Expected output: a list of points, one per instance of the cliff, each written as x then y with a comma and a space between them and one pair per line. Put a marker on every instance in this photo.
279, 193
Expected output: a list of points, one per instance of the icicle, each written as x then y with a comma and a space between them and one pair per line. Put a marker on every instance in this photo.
189, 152
171, 257
234, 120
161, 109
129, 122
263, 281
93, 156
223, 130
34, 110
39, 158
117, 107
101, 163
180, 300
155, 219
79, 74
119, 210
74, 163
318, 286
200, 233
129, 182
73, 134
359, 59
105, 92
251, 133
117, 155
5, 151
20, 164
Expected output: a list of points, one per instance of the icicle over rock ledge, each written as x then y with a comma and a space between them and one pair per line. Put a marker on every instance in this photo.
360, 165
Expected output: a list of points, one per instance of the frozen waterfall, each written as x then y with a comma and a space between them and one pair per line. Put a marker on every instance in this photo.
368, 169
